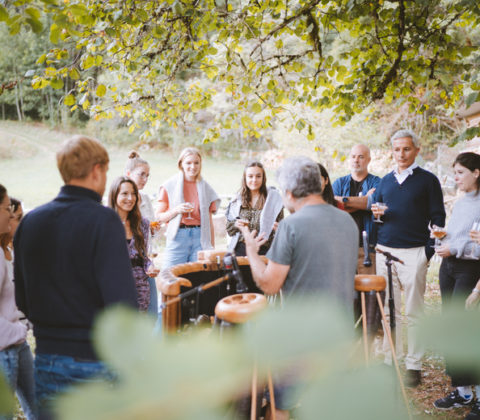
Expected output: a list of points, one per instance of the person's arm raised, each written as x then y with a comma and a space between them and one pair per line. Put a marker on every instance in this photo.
268, 277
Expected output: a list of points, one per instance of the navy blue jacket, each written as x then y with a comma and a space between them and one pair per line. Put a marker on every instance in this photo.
71, 261
412, 205
341, 187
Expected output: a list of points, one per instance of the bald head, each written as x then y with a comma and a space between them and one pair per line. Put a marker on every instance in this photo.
358, 160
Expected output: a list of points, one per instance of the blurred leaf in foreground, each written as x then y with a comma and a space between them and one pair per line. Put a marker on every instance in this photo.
455, 333
7, 401
158, 379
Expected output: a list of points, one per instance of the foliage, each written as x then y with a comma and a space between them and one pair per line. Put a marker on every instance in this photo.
202, 373
7, 401
17, 64
460, 346
245, 63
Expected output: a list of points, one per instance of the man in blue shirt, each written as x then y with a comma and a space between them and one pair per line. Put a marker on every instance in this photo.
414, 200
71, 262
359, 183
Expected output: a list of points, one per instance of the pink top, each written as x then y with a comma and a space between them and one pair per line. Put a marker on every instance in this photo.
12, 331
190, 195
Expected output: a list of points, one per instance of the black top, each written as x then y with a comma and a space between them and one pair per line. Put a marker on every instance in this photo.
359, 215
71, 261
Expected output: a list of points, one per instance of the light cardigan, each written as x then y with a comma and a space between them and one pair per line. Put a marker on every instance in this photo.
272, 207
12, 331
206, 196
465, 211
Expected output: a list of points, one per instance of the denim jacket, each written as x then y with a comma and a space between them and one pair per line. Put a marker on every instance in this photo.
341, 187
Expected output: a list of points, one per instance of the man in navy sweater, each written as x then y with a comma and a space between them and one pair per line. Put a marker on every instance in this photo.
414, 199
71, 262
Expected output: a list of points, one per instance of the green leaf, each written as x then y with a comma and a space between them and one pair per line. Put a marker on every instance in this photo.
74, 74
35, 24
56, 83
101, 90
54, 33
78, 10
3, 13
256, 108
69, 100
88, 62
460, 346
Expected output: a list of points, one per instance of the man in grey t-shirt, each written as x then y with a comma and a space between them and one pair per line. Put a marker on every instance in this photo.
315, 248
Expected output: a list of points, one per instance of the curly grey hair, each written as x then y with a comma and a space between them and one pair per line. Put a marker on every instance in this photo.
406, 133
301, 176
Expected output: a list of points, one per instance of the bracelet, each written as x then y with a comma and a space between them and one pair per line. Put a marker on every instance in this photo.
475, 290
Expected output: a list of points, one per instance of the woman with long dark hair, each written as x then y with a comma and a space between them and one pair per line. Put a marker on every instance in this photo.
256, 205
460, 268
123, 198
327, 192
16, 361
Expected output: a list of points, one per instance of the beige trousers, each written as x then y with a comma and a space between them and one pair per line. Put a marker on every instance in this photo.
410, 279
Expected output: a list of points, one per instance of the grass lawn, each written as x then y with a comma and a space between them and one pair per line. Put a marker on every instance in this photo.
28, 167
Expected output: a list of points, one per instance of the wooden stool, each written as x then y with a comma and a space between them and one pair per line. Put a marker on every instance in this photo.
238, 309
368, 283
365, 283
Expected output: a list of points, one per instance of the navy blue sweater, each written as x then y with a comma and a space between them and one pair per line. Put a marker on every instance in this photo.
411, 206
71, 261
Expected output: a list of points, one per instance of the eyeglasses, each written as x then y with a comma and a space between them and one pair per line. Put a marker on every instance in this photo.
10, 208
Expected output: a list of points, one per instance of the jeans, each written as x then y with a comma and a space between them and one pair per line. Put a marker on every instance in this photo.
153, 305
55, 373
16, 362
183, 248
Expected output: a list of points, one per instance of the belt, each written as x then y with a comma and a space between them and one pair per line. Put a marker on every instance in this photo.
182, 226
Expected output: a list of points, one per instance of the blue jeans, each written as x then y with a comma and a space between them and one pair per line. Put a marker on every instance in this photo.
183, 248
55, 373
153, 305
16, 362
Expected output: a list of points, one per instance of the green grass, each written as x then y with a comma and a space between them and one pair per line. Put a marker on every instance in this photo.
28, 167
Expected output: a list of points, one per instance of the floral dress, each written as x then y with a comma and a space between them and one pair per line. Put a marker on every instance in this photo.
140, 265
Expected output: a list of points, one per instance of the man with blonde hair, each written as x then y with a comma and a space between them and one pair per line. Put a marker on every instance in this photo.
71, 262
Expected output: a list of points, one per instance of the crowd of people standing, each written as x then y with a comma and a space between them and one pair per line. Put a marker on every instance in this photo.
73, 256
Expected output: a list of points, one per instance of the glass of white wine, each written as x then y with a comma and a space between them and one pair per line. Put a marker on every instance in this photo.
191, 207
381, 207
474, 229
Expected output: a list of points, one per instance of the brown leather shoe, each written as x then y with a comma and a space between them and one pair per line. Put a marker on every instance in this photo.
413, 378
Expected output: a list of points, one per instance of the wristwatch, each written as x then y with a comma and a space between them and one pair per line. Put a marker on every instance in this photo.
345, 199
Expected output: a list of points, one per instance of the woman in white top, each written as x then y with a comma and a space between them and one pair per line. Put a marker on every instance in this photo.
186, 202
16, 360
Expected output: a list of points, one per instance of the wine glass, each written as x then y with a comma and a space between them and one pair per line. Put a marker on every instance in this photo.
380, 206
438, 233
189, 212
474, 229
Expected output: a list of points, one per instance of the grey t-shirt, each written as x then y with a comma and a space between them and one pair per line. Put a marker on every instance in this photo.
320, 244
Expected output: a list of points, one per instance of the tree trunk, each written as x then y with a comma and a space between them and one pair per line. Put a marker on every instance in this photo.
17, 99
17, 103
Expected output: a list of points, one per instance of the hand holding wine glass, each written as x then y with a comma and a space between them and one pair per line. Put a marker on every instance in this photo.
189, 208
378, 210
475, 236
438, 233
